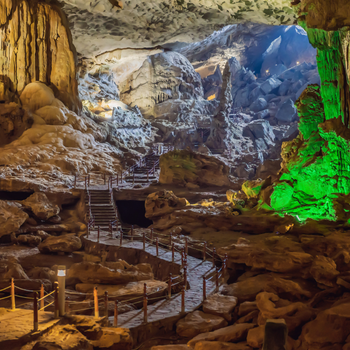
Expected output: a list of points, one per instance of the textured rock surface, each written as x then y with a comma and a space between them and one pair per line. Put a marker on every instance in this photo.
199, 322
41, 206
11, 217
221, 305
36, 45
65, 244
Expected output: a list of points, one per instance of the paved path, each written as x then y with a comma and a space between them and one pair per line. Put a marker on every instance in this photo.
16, 326
165, 309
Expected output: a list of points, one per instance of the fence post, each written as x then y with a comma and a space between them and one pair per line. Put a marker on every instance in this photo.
185, 277
144, 241
171, 239
152, 235
186, 245
98, 233
42, 301
106, 303
147, 176
35, 309
110, 228
121, 237
132, 233
75, 180
133, 177
157, 246
115, 322
217, 279
145, 299
182, 257
224, 269
214, 253
104, 178
173, 252
121, 177
169, 285
56, 313
183, 300
204, 288
204, 251
13, 300
89, 180
97, 315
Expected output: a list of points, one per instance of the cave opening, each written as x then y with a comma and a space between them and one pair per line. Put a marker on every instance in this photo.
133, 213
15, 196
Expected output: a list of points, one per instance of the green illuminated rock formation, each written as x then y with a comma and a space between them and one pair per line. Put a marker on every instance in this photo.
315, 175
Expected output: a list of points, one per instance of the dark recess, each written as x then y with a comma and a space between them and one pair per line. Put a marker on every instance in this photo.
133, 213
14, 196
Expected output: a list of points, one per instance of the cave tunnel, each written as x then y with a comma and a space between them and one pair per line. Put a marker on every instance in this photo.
15, 196
133, 213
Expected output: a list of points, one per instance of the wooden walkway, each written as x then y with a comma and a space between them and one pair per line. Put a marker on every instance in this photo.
164, 312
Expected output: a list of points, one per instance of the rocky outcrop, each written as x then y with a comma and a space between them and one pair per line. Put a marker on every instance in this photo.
192, 170
220, 305
42, 208
12, 217
62, 244
36, 45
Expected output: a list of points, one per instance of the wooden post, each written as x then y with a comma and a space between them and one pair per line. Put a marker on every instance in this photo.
133, 177
121, 237
86, 182
56, 313
13, 300
182, 257
117, 180
183, 300
157, 246
106, 303
98, 233
97, 315
121, 177
217, 279
186, 245
132, 232
173, 252
89, 180
204, 251
145, 299
104, 179
75, 180
185, 277
204, 288
42, 301
224, 268
110, 228
144, 241
169, 285
115, 323
35, 309
147, 176
171, 239
214, 253
152, 235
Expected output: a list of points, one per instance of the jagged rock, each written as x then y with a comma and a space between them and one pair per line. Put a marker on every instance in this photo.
234, 333
199, 322
272, 307
41, 206
163, 202
11, 217
220, 305
258, 105
187, 168
270, 84
287, 112
30, 240
124, 291
87, 272
261, 129
248, 289
65, 243
324, 270
255, 337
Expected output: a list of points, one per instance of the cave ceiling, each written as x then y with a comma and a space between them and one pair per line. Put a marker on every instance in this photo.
99, 26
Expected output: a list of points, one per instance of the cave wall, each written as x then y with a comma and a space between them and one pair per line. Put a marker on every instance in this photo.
35, 45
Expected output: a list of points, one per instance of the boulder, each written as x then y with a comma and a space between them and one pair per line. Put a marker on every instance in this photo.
39, 204
11, 217
124, 291
187, 168
287, 112
199, 322
255, 94
52, 115
234, 333
60, 244
36, 95
258, 105
32, 241
324, 270
270, 84
87, 272
45, 273
42, 234
284, 87
113, 339
261, 129
10, 268
255, 337
162, 203
220, 305
247, 307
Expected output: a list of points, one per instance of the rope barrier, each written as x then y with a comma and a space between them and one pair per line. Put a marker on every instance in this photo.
28, 290
5, 288
43, 308
9, 296
21, 296
46, 296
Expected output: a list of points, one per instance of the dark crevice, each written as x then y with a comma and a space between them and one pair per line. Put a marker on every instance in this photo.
133, 213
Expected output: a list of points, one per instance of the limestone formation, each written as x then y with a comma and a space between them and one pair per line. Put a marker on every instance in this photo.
12, 217
61, 244
41, 206
220, 305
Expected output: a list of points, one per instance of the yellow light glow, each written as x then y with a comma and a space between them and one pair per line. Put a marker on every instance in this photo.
211, 97
267, 71
298, 62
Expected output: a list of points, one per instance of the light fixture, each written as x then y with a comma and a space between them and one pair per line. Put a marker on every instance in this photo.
61, 271
298, 62
61, 279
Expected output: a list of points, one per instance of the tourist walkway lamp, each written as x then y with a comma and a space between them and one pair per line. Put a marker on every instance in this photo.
61, 279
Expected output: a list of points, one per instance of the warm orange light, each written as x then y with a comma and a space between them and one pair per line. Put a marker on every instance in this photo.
211, 97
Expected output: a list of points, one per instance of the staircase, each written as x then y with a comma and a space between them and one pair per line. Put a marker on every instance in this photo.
102, 209
138, 175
